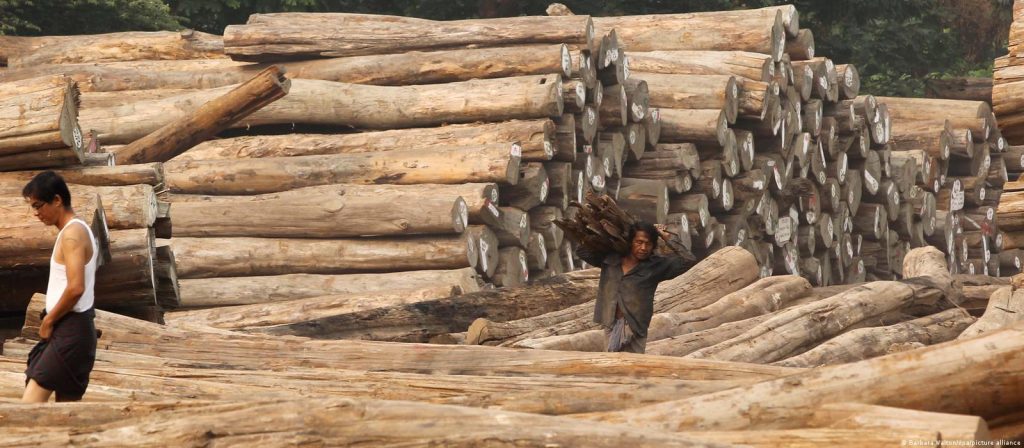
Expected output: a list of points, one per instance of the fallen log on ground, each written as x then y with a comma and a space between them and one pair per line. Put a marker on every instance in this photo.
804, 326
761, 297
866, 343
725, 271
1005, 308
978, 376
395, 314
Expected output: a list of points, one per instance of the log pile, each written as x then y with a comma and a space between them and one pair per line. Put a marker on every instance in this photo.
186, 381
429, 146
413, 164
1008, 81
137, 275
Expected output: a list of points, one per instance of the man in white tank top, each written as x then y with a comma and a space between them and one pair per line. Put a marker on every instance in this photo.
62, 361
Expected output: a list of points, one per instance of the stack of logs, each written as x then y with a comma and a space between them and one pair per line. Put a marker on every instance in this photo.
853, 384
474, 135
1008, 81
767, 146
136, 276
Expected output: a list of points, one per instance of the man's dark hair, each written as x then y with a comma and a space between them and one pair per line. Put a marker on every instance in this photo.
646, 227
46, 186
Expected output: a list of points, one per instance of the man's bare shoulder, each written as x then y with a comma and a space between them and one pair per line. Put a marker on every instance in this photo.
76, 231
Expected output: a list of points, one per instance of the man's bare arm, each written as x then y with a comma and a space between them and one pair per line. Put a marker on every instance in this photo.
76, 247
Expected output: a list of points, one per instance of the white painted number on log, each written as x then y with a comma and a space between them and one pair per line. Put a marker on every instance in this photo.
784, 230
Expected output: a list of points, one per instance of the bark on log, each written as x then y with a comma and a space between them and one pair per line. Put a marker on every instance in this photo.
149, 173
753, 66
25, 242
756, 30
723, 272
39, 124
693, 92
208, 120
291, 36
866, 343
694, 126
868, 382
397, 315
761, 297
158, 45
1004, 310
129, 278
765, 343
128, 207
325, 212
226, 291
533, 136
240, 257
330, 103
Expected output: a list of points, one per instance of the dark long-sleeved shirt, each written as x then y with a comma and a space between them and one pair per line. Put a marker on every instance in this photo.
633, 291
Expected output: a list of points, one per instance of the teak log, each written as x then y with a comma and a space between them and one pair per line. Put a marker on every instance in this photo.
402, 314
496, 162
238, 257
295, 36
332, 211
753, 66
1004, 310
26, 242
127, 46
330, 103
208, 120
409, 68
866, 343
533, 135
39, 124
952, 367
759, 31
766, 343
149, 173
225, 291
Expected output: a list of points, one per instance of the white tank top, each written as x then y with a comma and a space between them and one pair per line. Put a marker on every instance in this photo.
59, 275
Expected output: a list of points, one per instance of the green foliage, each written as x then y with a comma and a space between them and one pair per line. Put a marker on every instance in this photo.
896, 45
67, 17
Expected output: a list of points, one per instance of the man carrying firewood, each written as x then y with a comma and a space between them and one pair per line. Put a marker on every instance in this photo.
625, 296
62, 360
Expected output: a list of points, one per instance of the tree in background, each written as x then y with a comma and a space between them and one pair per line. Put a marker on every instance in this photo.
64, 17
896, 45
